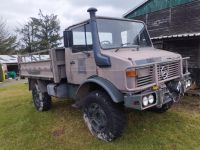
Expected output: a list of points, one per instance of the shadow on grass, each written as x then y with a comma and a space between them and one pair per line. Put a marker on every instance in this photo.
143, 125
137, 121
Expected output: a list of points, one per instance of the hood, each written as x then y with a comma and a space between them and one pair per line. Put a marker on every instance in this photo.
143, 55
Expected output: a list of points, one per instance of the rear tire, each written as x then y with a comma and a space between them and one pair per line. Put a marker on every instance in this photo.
103, 117
41, 100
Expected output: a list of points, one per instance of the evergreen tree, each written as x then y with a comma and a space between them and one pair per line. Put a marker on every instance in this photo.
40, 33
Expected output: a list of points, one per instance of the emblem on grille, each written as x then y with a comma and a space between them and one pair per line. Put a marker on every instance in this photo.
164, 72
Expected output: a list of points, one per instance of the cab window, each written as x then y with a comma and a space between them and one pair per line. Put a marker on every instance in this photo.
82, 39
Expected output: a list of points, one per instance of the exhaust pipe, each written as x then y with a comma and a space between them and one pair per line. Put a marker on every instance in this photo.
100, 59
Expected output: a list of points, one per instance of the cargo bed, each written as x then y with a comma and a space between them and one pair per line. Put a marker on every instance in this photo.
46, 65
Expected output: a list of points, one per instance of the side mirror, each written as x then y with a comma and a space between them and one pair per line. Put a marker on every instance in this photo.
68, 38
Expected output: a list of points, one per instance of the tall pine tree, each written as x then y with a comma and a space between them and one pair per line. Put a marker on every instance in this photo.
40, 33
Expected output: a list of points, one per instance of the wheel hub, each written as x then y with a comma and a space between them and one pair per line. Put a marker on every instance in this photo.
97, 117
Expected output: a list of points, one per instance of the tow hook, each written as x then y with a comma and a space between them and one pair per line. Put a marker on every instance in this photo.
175, 96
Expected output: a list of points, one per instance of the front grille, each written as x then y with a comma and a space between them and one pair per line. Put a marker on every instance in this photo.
167, 70
145, 79
164, 71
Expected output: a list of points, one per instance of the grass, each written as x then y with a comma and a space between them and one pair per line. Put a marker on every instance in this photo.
22, 127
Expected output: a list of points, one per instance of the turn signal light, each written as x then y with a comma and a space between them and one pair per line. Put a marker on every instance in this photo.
131, 73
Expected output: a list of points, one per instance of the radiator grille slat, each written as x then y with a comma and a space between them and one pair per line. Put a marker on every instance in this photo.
145, 80
167, 70
171, 69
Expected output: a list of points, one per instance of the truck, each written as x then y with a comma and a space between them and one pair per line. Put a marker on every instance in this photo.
106, 65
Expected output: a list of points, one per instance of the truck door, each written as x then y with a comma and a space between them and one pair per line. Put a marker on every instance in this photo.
81, 59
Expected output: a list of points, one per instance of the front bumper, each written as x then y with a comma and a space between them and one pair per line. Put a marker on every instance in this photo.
161, 96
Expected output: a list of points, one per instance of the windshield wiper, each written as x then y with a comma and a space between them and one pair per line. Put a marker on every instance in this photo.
132, 46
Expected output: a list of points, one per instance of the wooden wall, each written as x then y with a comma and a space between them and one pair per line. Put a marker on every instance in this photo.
176, 20
186, 47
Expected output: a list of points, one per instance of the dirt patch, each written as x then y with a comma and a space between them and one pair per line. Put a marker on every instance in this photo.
58, 132
191, 103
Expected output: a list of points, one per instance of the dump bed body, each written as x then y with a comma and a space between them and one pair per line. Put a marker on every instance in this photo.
46, 65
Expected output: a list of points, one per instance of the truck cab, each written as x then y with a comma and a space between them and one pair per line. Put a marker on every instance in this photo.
107, 63
120, 51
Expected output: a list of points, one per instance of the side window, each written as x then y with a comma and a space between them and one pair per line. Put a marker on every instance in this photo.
78, 36
82, 39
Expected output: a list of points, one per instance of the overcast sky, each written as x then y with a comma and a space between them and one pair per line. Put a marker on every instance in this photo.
17, 12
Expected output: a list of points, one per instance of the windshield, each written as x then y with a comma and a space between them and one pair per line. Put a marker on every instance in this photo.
122, 34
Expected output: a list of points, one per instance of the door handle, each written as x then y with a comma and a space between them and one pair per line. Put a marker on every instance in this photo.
72, 62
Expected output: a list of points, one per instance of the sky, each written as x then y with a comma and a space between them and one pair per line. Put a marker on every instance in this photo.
17, 12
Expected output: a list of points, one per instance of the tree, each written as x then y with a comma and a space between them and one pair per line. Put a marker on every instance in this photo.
7, 41
40, 33
48, 30
29, 42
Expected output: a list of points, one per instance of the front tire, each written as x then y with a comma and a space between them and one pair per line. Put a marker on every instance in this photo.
41, 100
102, 117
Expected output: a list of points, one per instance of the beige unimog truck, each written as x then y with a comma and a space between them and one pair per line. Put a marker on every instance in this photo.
106, 63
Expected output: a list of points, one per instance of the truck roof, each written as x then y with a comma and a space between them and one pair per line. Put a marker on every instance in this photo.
102, 17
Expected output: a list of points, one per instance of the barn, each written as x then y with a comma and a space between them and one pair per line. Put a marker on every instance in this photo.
9, 63
173, 25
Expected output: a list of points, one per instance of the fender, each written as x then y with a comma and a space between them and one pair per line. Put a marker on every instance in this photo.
95, 83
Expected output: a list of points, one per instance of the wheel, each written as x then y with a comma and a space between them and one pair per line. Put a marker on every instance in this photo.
42, 101
163, 109
102, 117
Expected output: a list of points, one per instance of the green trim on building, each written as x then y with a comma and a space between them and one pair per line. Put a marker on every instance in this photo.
154, 5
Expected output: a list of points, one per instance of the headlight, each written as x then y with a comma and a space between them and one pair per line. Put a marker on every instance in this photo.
188, 83
151, 99
178, 88
145, 101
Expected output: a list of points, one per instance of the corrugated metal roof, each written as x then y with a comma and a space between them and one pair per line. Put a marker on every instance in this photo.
177, 36
13, 59
149, 6
8, 59
34, 58
136, 7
